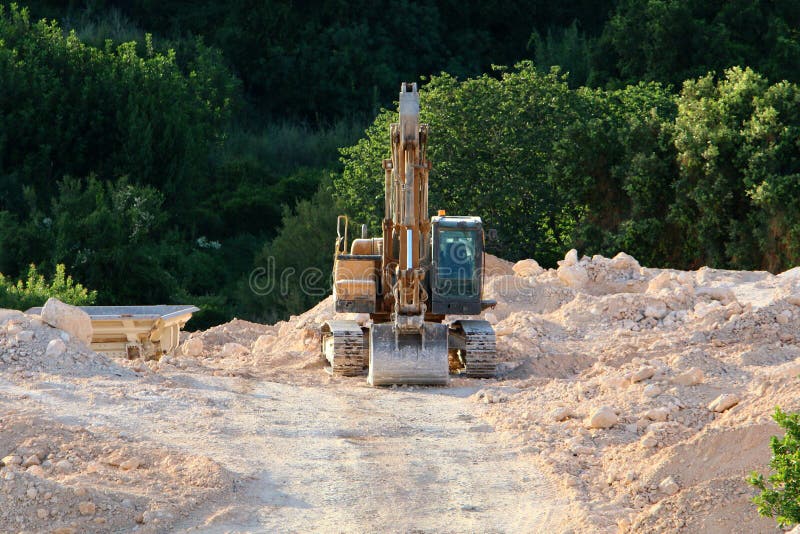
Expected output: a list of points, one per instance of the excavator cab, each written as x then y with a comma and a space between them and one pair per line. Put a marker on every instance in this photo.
456, 265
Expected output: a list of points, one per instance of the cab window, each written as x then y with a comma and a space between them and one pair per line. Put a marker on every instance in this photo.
456, 265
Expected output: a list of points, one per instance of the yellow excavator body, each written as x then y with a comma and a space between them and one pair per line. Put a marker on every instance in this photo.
420, 270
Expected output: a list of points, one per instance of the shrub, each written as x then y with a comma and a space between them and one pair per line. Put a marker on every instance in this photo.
35, 290
780, 493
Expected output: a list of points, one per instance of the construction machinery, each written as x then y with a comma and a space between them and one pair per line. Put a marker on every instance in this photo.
419, 271
136, 331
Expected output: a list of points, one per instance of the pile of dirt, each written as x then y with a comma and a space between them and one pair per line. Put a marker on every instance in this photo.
68, 479
648, 391
31, 348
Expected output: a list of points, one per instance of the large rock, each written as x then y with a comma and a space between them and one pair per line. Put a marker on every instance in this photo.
55, 348
669, 486
624, 261
264, 343
574, 276
603, 417
724, 402
643, 373
192, 347
691, 377
70, 319
527, 268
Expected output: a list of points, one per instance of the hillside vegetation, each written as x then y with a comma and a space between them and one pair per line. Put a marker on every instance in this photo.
166, 154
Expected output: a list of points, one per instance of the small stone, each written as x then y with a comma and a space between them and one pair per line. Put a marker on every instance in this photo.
691, 377
86, 508
36, 470
31, 460
652, 390
11, 459
64, 466
561, 413
649, 441
669, 486
130, 464
657, 414
643, 374
41, 513
55, 348
723, 402
31, 493
93, 467
603, 417
26, 336
80, 491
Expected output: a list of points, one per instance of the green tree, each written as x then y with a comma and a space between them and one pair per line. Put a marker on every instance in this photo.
738, 159
490, 143
772, 180
780, 492
550, 168
35, 290
567, 48
673, 40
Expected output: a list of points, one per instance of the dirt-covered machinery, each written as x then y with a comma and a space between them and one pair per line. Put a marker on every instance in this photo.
410, 279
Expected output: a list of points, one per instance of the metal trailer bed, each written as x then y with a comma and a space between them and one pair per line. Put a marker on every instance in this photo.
136, 331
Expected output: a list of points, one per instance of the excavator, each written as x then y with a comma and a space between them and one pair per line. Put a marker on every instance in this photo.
410, 279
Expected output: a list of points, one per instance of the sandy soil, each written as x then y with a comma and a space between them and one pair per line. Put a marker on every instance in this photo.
629, 399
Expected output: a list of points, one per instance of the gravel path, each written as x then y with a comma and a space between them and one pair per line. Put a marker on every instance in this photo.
335, 458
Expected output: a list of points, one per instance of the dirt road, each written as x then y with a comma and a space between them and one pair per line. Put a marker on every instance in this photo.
341, 457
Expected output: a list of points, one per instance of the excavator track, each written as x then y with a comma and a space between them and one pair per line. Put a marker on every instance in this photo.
474, 345
343, 348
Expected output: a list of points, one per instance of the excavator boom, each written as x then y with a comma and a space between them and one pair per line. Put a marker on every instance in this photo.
407, 349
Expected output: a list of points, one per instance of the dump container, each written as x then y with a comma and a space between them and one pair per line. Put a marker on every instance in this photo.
136, 331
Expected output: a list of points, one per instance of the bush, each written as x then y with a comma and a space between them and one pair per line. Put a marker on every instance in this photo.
780, 493
35, 290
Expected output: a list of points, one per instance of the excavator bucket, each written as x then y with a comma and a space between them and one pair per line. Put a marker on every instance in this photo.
416, 358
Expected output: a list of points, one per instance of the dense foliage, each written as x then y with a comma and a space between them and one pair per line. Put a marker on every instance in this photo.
704, 177
35, 290
780, 492
165, 152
